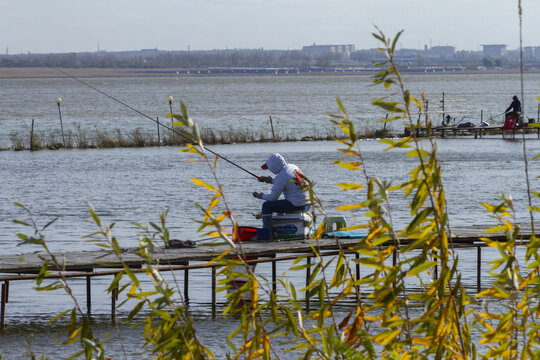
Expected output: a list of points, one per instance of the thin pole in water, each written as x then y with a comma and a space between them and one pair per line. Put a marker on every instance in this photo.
32, 137
272, 125
58, 101
158, 138
170, 109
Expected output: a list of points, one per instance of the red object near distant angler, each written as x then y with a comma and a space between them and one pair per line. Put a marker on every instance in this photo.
509, 123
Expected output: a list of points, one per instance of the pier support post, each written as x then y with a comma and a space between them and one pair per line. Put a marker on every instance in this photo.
88, 295
478, 268
114, 297
213, 292
308, 275
357, 275
186, 284
357, 256
274, 276
3, 302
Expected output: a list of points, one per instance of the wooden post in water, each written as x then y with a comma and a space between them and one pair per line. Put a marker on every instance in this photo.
158, 138
172, 119
32, 137
442, 101
186, 284
3, 301
274, 276
88, 295
308, 275
114, 297
213, 291
272, 125
479, 268
58, 101
357, 277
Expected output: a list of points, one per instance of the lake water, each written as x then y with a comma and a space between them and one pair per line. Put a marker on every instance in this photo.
134, 185
298, 104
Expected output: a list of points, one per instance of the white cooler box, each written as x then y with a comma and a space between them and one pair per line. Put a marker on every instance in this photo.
292, 226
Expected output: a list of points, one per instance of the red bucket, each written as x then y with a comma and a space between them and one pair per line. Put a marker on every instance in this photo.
245, 233
509, 123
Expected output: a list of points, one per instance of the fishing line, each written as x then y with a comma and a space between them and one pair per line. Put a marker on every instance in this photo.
154, 120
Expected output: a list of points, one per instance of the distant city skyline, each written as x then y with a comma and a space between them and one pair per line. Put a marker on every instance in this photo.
59, 26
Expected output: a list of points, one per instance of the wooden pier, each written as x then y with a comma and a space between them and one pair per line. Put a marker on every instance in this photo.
90, 264
476, 131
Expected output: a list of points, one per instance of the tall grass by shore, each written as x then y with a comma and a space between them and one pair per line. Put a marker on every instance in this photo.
79, 138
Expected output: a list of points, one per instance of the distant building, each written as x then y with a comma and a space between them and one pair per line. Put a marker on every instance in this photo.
443, 52
536, 52
324, 50
494, 51
529, 52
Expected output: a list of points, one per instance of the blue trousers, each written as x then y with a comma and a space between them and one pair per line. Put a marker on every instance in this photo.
279, 206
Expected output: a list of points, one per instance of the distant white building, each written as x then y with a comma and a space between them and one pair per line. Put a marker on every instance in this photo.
494, 50
324, 50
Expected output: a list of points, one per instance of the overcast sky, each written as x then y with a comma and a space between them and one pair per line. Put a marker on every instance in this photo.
41, 26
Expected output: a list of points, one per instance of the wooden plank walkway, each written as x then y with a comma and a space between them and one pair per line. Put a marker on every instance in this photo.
106, 259
476, 131
89, 264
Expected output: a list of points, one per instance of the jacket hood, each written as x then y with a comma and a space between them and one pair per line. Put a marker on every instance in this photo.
276, 163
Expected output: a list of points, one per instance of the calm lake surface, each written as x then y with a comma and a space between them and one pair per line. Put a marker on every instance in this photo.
298, 104
134, 185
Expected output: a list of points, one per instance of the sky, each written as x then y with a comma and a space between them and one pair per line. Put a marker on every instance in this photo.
40, 26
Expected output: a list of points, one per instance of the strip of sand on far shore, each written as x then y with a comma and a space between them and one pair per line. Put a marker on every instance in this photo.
44, 72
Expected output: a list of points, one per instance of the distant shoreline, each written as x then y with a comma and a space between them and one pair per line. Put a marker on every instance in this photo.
43, 72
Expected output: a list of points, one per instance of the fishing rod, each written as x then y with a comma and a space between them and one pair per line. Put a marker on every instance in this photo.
154, 120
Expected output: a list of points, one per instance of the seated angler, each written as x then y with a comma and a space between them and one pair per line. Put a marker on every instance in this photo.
515, 106
290, 182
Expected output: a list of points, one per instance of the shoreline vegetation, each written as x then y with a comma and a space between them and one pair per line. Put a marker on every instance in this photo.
137, 138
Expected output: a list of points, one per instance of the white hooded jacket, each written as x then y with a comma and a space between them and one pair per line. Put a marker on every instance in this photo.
285, 182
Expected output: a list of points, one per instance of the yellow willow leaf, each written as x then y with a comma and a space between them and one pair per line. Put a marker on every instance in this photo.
489, 316
222, 255
190, 150
349, 152
413, 99
527, 279
254, 292
349, 207
417, 153
202, 183
427, 341
349, 165
386, 337
350, 186
496, 229
326, 314
498, 294
320, 230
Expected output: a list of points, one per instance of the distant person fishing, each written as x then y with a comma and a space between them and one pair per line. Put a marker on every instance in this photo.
515, 106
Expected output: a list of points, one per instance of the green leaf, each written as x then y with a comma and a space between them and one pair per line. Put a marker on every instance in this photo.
350, 186
421, 268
